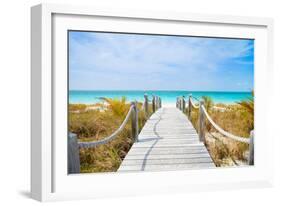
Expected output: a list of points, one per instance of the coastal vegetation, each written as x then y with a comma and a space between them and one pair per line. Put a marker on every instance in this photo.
97, 121
93, 122
237, 119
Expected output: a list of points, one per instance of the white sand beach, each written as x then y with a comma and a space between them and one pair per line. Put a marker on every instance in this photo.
168, 105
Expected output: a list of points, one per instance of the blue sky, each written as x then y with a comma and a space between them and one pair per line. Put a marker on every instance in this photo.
110, 61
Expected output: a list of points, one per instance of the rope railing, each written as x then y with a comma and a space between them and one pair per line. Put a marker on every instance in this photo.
193, 105
181, 104
156, 103
225, 133
74, 145
195, 98
201, 130
133, 109
203, 113
112, 136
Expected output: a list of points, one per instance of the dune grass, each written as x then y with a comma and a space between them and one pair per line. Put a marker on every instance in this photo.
95, 124
76, 107
106, 117
237, 119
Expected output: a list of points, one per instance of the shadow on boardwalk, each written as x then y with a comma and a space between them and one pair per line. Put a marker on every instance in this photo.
168, 141
154, 139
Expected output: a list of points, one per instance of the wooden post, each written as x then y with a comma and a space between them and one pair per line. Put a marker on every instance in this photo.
160, 102
251, 149
180, 103
153, 104
146, 104
135, 124
189, 106
201, 122
183, 104
73, 154
156, 102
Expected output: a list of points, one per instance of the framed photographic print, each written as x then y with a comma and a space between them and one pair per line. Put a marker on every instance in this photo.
134, 102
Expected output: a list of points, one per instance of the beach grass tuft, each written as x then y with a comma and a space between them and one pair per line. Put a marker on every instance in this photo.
237, 119
98, 123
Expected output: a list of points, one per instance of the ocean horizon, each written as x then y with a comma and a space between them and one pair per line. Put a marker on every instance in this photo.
168, 97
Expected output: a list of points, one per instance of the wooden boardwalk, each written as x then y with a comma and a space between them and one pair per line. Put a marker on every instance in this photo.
168, 141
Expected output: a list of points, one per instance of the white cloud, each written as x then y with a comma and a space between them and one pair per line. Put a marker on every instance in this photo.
142, 55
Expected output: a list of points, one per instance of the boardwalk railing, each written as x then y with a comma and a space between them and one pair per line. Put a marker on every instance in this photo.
74, 145
203, 114
181, 103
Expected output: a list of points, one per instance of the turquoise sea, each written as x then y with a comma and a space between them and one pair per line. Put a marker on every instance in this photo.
168, 97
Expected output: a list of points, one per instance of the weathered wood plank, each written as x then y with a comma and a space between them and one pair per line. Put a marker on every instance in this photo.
166, 150
139, 156
251, 149
73, 154
166, 167
152, 145
201, 122
163, 161
135, 129
168, 141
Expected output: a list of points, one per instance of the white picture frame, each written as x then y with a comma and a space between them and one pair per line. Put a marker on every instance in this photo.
49, 179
